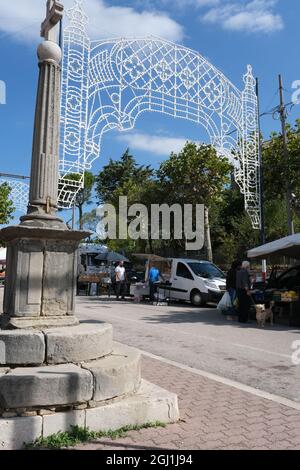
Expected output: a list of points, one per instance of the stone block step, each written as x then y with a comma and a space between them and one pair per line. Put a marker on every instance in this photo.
116, 374
151, 403
21, 347
30, 387
84, 342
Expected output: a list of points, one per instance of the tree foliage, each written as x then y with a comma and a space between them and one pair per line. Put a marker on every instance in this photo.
198, 175
120, 174
6, 205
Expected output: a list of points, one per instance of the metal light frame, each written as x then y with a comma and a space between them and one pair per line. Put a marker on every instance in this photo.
19, 193
108, 84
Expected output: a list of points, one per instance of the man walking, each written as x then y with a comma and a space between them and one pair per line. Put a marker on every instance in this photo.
120, 280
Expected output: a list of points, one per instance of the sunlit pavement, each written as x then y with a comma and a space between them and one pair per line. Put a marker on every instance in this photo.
215, 413
205, 340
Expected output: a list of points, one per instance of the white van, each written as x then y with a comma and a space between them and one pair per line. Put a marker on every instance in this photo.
196, 281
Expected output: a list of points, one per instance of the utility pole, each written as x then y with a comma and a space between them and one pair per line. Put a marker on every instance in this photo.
261, 189
282, 112
261, 173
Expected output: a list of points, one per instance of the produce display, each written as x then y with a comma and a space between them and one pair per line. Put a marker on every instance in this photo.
285, 296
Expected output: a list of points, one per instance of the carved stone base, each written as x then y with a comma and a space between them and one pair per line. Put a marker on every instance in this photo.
41, 276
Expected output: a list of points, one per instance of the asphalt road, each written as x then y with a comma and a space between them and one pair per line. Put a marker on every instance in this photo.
201, 338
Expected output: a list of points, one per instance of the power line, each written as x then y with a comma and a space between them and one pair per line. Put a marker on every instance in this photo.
10, 175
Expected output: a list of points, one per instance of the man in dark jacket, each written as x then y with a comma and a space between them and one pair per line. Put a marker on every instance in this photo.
243, 285
231, 287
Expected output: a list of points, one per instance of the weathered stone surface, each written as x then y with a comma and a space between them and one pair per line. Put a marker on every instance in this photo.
41, 276
82, 406
117, 374
29, 413
44, 412
78, 343
45, 386
15, 431
39, 322
62, 422
21, 347
151, 403
59, 278
9, 414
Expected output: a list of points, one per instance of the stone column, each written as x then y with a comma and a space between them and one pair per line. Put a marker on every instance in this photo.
45, 155
42, 251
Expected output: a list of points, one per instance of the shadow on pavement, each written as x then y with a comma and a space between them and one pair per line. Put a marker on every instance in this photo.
189, 314
208, 317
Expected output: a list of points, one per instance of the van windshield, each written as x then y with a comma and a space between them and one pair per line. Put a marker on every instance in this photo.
206, 270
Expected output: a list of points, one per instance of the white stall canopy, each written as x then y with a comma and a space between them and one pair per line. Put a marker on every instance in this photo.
287, 246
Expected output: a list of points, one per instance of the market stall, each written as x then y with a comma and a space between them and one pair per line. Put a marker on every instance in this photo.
140, 290
282, 290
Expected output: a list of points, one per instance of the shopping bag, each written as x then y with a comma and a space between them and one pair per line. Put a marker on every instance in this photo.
225, 303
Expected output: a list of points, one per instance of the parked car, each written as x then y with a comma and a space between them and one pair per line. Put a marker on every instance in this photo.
289, 279
196, 281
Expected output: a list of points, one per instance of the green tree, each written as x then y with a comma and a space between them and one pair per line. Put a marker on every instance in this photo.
280, 169
117, 174
6, 205
196, 175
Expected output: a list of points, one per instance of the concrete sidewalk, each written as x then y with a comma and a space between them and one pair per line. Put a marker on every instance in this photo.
214, 416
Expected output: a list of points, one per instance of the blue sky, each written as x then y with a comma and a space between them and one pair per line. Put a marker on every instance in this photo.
229, 33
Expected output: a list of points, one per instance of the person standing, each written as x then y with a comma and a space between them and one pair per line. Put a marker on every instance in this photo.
154, 276
120, 273
231, 288
243, 284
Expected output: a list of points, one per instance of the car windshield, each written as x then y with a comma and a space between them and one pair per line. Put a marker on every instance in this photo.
206, 270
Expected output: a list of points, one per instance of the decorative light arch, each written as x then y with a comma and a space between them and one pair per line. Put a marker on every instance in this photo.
108, 84
19, 193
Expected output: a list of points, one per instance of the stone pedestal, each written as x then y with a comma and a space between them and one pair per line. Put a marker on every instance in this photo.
41, 276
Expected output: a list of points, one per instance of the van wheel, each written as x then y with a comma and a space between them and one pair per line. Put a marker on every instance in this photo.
197, 299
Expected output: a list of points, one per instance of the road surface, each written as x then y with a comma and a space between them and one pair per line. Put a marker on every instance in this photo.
201, 338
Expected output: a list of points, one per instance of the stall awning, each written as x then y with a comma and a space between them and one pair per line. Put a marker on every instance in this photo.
288, 246
149, 257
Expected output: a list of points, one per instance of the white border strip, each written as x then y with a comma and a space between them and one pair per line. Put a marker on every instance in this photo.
228, 382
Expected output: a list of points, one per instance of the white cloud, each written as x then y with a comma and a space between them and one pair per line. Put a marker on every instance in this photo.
21, 19
178, 3
156, 144
252, 17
